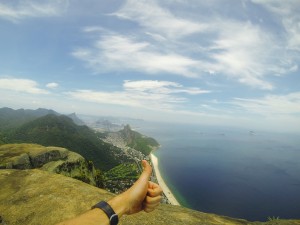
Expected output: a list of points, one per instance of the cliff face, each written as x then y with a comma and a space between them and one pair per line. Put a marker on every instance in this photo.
52, 159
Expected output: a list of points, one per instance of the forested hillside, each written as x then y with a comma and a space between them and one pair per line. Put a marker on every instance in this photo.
61, 131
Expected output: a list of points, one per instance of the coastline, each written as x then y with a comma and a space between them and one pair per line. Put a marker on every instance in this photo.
161, 182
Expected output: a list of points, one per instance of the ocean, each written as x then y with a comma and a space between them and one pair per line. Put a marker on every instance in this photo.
233, 172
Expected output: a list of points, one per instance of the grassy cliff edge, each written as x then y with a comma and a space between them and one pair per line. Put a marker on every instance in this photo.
38, 197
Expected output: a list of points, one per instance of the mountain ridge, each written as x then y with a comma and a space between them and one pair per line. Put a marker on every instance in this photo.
11, 118
61, 131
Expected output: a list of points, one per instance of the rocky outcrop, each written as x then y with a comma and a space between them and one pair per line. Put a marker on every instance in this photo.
52, 159
132, 139
38, 197
127, 134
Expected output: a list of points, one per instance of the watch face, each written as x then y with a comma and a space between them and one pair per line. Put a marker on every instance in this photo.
114, 219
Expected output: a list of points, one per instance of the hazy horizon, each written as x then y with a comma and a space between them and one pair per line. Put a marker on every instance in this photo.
145, 125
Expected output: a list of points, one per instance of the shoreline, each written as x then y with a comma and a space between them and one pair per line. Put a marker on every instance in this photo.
167, 192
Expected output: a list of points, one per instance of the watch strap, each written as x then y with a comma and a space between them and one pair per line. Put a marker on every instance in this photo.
105, 207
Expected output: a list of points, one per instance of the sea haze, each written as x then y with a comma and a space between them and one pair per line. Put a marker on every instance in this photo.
237, 173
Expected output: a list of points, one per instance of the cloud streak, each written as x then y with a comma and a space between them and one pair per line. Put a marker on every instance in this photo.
149, 94
242, 51
152, 17
52, 85
287, 13
21, 85
245, 52
32, 8
271, 105
118, 52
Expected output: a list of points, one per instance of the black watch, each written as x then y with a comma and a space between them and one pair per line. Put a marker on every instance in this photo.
113, 217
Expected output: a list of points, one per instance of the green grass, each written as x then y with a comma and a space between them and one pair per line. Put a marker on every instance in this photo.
122, 171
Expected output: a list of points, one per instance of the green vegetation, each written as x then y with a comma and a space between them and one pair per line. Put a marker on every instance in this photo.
121, 177
52, 130
10, 119
122, 171
52, 159
48, 128
143, 144
99, 179
2, 139
273, 218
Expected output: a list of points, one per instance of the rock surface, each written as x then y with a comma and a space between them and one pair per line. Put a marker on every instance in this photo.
38, 197
52, 159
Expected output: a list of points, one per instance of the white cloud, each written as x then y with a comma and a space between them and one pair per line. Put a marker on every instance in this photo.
243, 51
21, 85
149, 85
17, 10
149, 94
157, 19
152, 101
156, 37
271, 105
288, 14
93, 29
162, 87
52, 85
116, 52
246, 52
238, 49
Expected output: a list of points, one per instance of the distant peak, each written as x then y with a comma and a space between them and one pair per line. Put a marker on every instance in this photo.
127, 127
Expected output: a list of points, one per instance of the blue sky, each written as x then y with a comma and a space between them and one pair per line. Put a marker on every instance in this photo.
219, 62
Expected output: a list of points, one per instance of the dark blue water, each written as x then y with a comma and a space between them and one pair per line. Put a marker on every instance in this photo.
230, 172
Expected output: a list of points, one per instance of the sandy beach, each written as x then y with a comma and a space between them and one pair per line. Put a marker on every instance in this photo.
162, 183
